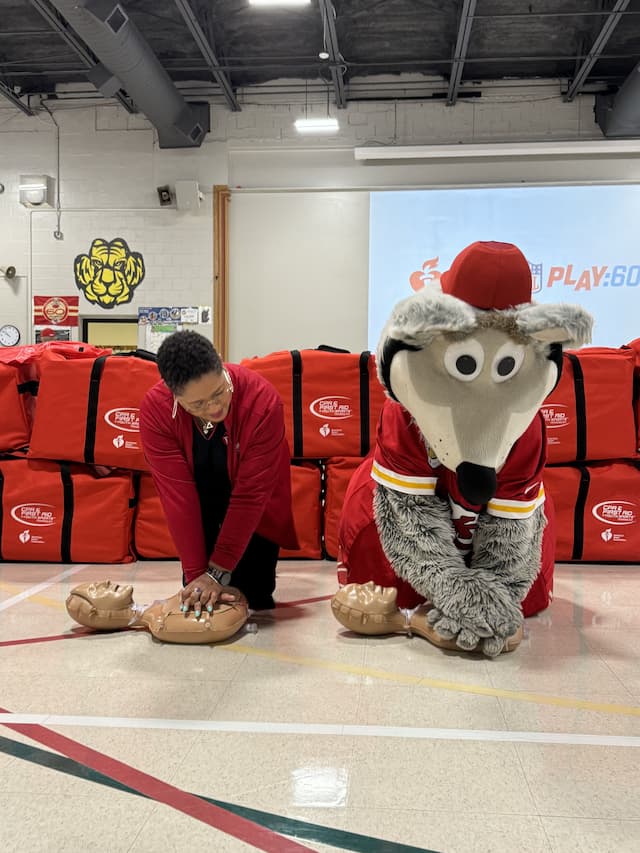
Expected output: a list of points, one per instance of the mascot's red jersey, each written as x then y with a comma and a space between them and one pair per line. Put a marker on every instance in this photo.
402, 461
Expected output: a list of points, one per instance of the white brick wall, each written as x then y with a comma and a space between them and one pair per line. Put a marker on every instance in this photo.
111, 166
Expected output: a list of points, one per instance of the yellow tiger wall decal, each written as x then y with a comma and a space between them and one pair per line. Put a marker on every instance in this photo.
109, 274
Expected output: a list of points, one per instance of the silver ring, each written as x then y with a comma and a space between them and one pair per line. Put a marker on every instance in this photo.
197, 589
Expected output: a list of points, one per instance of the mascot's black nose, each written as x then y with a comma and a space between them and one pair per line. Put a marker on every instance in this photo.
477, 483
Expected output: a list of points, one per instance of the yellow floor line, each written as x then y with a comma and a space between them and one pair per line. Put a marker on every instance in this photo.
39, 599
438, 683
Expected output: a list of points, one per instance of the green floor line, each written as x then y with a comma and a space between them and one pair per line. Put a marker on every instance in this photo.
277, 823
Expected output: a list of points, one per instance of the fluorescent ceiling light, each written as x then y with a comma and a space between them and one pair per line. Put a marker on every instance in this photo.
317, 125
579, 148
279, 2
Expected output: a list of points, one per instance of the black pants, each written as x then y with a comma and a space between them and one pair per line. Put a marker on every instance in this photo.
255, 574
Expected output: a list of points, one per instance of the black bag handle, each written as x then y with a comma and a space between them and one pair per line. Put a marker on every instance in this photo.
67, 518
327, 348
581, 407
296, 399
578, 512
143, 354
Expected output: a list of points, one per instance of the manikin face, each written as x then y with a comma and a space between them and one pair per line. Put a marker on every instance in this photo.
208, 397
106, 595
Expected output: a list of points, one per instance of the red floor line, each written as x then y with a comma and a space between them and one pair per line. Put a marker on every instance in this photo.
89, 633
304, 601
238, 827
77, 634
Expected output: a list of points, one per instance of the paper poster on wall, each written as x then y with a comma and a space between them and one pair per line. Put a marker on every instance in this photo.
157, 323
55, 310
580, 242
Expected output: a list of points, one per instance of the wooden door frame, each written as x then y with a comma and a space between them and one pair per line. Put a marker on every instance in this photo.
221, 201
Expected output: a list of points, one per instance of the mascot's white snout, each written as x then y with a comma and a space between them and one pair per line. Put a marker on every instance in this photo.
472, 398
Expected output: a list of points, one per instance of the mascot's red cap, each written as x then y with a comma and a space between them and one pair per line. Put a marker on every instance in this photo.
489, 276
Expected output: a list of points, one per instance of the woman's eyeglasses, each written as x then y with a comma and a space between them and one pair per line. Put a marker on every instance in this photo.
214, 400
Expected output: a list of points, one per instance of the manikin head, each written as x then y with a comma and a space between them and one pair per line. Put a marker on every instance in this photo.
104, 605
472, 359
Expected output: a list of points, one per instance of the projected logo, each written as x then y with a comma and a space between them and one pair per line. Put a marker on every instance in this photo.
581, 277
536, 277
427, 273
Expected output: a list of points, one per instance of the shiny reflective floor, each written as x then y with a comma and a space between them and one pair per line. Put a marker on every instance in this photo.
302, 736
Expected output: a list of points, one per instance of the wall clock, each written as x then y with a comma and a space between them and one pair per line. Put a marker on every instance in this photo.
9, 335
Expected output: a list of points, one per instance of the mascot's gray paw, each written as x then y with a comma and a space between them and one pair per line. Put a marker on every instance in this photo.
493, 646
476, 614
449, 627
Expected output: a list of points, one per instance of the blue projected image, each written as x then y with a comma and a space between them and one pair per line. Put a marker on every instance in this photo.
579, 242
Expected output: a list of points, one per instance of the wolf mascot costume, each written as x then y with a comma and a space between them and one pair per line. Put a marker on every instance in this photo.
445, 530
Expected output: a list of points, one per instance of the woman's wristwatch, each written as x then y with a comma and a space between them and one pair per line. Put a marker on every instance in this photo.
220, 576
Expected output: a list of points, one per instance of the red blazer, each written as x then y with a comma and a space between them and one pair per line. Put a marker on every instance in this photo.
258, 462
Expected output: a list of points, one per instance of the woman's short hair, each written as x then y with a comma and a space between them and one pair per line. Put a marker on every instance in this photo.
184, 356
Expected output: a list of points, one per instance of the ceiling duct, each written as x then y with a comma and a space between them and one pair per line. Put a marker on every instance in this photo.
128, 62
619, 114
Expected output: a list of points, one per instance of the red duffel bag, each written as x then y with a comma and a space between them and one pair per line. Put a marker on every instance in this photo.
589, 415
14, 422
89, 409
306, 485
331, 398
598, 511
28, 360
339, 471
64, 513
151, 537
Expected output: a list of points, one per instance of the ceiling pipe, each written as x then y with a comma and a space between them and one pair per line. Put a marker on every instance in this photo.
55, 21
127, 62
619, 115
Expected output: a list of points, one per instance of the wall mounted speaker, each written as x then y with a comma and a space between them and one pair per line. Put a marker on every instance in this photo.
188, 195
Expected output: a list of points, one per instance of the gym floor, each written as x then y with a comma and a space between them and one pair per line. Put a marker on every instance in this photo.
302, 736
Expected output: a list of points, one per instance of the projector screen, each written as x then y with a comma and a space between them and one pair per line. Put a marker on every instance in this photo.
582, 243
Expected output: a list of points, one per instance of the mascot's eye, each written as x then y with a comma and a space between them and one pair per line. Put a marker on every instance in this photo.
507, 362
464, 360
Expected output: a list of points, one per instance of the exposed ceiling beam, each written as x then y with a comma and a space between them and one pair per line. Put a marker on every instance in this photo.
602, 38
7, 93
335, 57
56, 21
206, 50
22, 33
577, 13
460, 54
